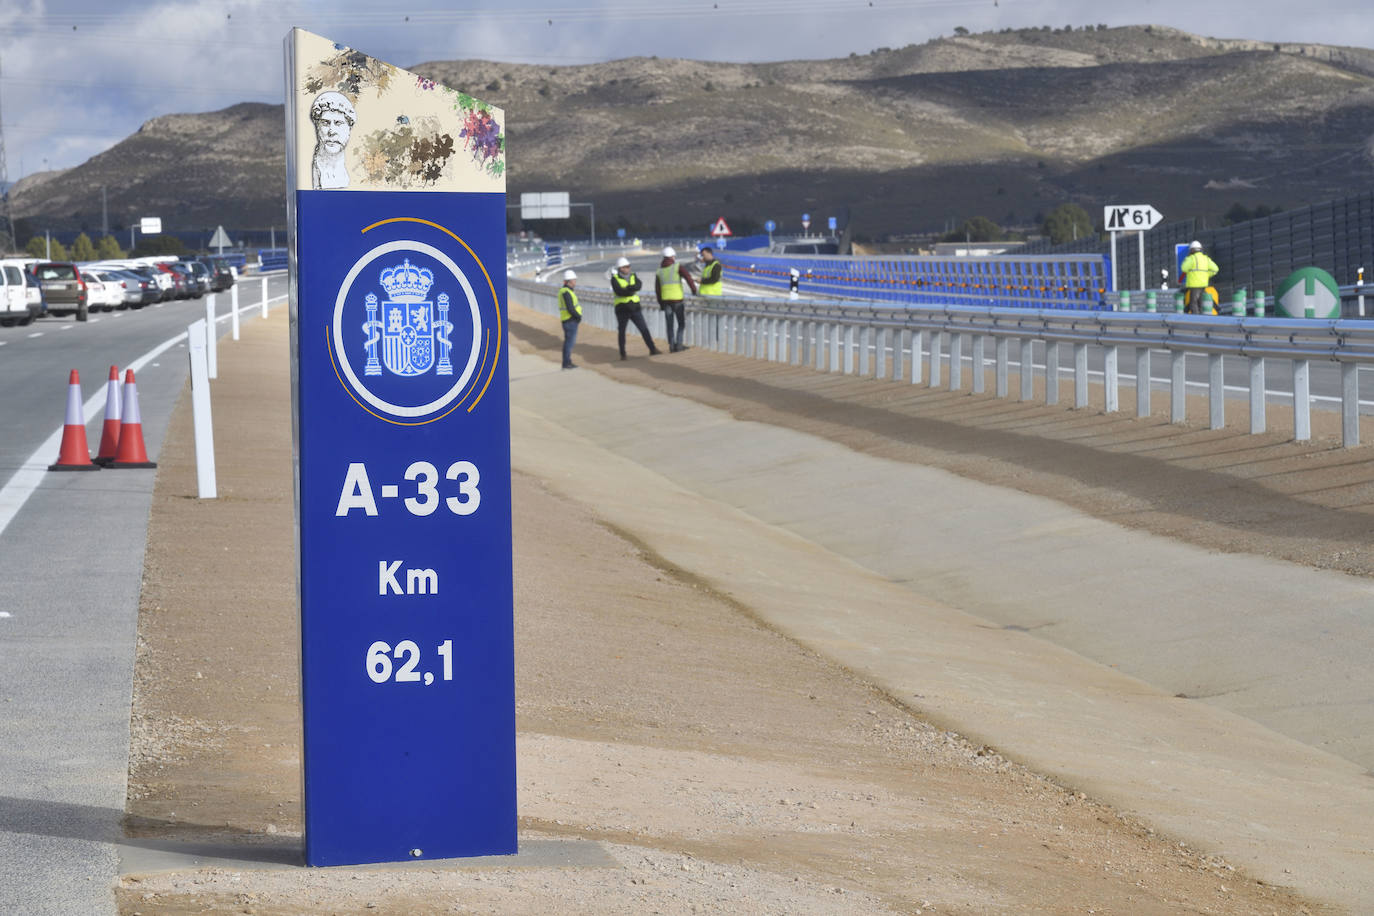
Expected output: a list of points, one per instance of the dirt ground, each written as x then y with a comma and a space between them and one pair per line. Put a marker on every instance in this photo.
722, 766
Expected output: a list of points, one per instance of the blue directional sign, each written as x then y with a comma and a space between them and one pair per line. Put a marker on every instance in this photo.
620, 233
770, 226
403, 480
832, 223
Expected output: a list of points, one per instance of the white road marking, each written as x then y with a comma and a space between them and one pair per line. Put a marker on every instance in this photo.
24, 481
35, 334
68, 327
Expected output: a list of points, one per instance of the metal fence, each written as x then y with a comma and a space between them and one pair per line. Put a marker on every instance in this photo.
926, 344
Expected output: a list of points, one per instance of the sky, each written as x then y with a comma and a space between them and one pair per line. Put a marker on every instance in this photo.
78, 76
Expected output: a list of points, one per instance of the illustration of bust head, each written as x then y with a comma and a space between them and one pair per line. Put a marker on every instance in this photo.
333, 117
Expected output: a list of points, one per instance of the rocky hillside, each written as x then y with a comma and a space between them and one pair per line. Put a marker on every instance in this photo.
1004, 125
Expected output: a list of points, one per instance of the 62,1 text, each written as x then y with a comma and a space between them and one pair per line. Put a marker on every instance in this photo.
380, 667
463, 499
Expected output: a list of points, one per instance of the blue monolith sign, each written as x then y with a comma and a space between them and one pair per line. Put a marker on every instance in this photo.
397, 193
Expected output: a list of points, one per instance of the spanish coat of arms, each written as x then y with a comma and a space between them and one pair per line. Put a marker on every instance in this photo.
409, 328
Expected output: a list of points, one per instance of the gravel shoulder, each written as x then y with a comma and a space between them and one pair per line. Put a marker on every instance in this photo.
724, 766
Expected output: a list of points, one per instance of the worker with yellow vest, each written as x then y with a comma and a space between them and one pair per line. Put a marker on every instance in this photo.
570, 313
1197, 271
625, 287
668, 282
712, 282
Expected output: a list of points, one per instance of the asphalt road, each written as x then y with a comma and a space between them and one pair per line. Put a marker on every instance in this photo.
73, 549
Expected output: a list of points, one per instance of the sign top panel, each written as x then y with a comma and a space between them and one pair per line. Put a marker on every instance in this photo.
364, 125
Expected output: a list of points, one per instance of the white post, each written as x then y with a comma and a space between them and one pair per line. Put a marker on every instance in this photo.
1080, 375
1110, 380
880, 355
1350, 404
1216, 392
1051, 372
937, 342
918, 339
264, 297
1027, 369
1141, 237
978, 382
234, 309
1257, 418
1178, 387
196, 338
1302, 401
956, 361
211, 341
1003, 347
1142, 377
1113, 235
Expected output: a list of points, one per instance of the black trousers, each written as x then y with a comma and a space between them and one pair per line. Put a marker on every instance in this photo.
624, 314
676, 310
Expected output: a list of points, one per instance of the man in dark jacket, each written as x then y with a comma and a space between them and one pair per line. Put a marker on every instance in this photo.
668, 283
625, 287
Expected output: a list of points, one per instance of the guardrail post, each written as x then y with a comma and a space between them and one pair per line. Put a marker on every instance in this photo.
818, 345
1238, 304
849, 332
936, 345
1151, 301
1027, 368
1051, 372
1302, 400
956, 361
234, 311
880, 355
1350, 404
865, 337
1111, 380
979, 383
783, 332
1142, 381
1257, 418
1080, 375
1259, 303
202, 423
834, 360
1125, 301
1178, 303
1216, 392
918, 339
899, 336
1178, 386
1003, 348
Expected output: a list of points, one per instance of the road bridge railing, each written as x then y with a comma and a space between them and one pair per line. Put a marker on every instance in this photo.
927, 345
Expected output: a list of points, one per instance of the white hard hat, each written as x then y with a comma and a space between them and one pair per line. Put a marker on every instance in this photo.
622, 262
569, 275
795, 272
669, 252
1195, 245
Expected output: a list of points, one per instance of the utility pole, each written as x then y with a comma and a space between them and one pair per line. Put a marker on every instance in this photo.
7, 239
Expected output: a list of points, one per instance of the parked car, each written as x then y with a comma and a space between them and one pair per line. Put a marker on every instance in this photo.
223, 274
162, 282
202, 275
181, 288
194, 288
138, 289
14, 300
63, 288
104, 291
38, 306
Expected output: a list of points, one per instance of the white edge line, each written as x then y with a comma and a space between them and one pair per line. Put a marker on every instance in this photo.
24, 481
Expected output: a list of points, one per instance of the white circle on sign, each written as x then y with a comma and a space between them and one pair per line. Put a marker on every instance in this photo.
404, 410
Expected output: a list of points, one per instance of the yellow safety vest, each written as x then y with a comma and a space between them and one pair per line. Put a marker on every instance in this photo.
619, 283
670, 283
567, 304
712, 277
1198, 270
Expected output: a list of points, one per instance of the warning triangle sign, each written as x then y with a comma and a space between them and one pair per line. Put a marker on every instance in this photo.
720, 229
220, 239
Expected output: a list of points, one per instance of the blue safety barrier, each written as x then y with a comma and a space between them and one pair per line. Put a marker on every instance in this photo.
272, 259
1066, 281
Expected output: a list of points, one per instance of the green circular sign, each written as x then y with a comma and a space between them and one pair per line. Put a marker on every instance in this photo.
1308, 286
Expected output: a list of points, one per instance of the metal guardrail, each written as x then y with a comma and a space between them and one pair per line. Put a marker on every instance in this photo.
879, 340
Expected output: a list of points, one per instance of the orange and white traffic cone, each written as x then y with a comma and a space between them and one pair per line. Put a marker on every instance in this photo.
109, 433
74, 454
131, 453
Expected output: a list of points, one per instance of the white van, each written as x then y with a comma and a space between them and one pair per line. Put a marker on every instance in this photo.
16, 306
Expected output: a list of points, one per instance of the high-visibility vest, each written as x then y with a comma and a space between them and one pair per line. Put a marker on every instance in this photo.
670, 283
567, 304
711, 283
1198, 270
618, 286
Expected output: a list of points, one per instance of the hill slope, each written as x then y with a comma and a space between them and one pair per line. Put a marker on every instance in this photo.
1005, 125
